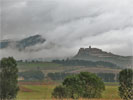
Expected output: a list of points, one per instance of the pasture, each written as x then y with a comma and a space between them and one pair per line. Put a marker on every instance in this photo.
48, 67
42, 91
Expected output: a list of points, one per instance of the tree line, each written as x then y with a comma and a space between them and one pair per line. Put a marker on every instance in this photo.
32, 75
59, 76
86, 63
106, 77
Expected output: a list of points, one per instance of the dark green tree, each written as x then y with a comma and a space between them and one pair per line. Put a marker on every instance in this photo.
83, 85
126, 84
92, 85
8, 78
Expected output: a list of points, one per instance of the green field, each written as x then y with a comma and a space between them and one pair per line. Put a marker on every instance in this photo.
48, 67
43, 92
39, 92
111, 92
45, 67
35, 65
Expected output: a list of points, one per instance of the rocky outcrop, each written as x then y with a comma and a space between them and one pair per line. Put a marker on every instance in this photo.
95, 54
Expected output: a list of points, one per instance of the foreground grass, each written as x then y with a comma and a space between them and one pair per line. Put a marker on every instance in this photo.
111, 92
43, 92
39, 92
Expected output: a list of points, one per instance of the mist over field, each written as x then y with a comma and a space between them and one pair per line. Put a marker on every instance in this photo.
67, 25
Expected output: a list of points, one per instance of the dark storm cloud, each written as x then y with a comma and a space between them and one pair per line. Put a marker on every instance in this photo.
70, 24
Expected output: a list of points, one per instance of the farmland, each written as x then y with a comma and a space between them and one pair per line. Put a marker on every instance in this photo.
48, 67
42, 91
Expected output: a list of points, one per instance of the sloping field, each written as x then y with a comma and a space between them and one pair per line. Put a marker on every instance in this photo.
96, 70
46, 67
37, 65
49, 67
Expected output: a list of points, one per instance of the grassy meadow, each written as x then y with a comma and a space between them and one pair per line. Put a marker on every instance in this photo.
35, 92
43, 92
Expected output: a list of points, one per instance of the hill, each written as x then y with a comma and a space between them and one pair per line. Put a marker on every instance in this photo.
23, 43
52, 67
95, 54
86, 63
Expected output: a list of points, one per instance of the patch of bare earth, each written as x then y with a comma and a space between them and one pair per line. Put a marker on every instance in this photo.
36, 83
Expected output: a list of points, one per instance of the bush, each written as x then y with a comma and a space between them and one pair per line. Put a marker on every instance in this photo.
59, 92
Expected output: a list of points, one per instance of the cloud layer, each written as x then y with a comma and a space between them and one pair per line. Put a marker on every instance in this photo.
70, 24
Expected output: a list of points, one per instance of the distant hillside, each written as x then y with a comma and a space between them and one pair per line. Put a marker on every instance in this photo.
68, 67
22, 44
95, 54
86, 63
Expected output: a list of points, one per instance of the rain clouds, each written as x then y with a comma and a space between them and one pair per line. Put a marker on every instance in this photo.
68, 25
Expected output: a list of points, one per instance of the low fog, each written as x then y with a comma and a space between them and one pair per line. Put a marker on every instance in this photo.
67, 25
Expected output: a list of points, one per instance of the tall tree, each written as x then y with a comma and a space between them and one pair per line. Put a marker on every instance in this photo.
8, 78
126, 84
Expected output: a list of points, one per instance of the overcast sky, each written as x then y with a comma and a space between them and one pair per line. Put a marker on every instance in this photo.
68, 25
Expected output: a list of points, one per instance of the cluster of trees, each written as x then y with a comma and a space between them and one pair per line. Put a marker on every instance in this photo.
107, 77
28, 61
39, 75
85, 63
32, 75
83, 85
58, 76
